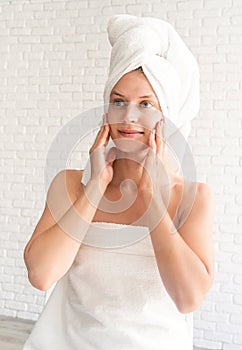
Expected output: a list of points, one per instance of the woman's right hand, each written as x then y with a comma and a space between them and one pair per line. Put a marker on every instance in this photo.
102, 168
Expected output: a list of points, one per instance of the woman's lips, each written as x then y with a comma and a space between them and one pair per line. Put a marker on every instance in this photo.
130, 133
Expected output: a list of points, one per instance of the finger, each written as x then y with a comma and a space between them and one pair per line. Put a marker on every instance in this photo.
103, 132
147, 178
106, 134
98, 137
148, 166
158, 138
105, 121
100, 132
102, 137
152, 143
111, 156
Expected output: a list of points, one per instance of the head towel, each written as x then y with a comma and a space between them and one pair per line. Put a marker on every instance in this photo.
167, 63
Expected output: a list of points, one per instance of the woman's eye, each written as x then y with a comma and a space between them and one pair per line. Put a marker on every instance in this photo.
146, 104
118, 103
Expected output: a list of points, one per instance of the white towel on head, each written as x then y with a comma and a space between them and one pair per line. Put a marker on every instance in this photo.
167, 63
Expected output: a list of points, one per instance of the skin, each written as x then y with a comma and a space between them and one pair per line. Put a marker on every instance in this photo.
186, 254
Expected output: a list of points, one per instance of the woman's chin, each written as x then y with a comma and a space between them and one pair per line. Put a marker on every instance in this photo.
132, 147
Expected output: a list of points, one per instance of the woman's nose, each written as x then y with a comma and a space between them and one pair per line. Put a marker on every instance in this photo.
131, 113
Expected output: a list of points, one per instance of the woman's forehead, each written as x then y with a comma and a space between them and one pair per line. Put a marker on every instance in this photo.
134, 82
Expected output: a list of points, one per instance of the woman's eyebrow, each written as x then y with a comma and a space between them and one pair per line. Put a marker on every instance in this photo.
118, 94
147, 96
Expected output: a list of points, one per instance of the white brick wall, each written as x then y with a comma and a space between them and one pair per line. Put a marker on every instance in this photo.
53, 64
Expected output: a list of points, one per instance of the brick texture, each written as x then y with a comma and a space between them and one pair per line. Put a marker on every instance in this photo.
53, 65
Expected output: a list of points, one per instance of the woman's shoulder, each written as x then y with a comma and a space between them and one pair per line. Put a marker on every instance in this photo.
195, 195
204, 195
73, 175
70, 176
198, 188
69, 181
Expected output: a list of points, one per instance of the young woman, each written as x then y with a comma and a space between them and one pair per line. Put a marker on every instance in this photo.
136, 296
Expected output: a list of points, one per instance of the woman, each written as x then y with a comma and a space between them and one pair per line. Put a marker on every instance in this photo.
140, 295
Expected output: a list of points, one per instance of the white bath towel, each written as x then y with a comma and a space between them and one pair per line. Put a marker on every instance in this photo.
167, 63
112, 299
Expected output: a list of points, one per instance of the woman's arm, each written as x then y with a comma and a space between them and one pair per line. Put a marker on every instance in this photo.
69, 210
185, 258
61, 228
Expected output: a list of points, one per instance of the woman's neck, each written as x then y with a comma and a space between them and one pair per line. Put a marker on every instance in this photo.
129, 166
126, 169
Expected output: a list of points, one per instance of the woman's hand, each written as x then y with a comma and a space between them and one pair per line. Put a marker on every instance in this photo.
154, 187
101, 168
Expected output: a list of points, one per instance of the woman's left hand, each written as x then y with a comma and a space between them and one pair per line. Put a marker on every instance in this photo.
154, 186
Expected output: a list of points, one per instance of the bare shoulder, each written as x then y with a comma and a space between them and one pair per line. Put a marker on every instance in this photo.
65, 188
70, 174
204, 189
62, 193
199, 200
205, 195
71, 178
201, 190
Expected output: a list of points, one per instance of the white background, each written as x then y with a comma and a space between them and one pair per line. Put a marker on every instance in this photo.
53, 65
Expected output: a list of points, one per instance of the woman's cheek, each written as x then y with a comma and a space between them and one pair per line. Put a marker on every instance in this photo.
149, 119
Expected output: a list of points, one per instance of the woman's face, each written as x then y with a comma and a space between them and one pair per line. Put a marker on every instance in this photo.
133, 107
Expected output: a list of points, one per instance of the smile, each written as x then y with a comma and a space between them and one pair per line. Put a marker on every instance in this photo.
130, 133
